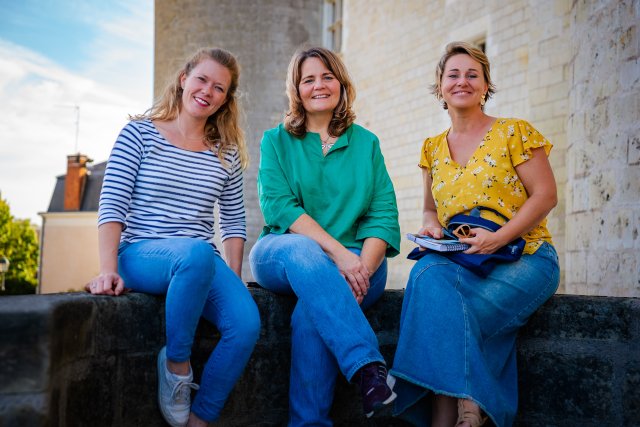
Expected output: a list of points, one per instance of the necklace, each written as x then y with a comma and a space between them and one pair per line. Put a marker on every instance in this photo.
185, 139
326, 145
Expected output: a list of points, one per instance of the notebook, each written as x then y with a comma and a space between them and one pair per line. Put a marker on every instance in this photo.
440, 245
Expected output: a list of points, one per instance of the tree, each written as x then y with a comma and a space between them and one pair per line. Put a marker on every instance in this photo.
19, 243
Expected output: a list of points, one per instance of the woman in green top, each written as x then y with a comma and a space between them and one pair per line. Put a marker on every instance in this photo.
331, 219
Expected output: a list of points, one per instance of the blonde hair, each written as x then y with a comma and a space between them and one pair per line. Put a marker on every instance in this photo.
343, 116
456, 48
222, 130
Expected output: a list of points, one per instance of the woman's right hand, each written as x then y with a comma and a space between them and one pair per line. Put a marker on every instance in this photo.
434, 231
106, 284
355, 273
431, 230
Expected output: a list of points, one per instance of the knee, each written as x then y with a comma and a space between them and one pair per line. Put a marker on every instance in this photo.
303, 251
431, 275
250, 326
245, 329
195, 254
290, 249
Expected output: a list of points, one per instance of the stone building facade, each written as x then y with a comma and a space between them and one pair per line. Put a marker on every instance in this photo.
569, 67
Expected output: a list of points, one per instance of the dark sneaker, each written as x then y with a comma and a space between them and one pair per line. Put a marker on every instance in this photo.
376, 387
174, 393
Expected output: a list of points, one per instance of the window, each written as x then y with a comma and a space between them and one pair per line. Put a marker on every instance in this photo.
332, 28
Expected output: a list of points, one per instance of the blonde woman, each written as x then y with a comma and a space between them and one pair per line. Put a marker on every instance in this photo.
167, 170
331, 219
456, 362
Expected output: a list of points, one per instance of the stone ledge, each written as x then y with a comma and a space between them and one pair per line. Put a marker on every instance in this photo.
75, 359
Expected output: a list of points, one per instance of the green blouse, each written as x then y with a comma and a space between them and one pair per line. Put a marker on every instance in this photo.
348, 191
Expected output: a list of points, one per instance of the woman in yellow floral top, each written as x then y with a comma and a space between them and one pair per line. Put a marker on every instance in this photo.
455, 361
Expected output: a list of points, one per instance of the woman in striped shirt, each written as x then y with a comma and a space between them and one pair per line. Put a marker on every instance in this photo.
167, 170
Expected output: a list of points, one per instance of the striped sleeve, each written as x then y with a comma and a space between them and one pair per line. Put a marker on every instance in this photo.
231, 203
120, 176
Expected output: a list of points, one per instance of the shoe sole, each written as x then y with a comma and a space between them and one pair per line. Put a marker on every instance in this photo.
391, 382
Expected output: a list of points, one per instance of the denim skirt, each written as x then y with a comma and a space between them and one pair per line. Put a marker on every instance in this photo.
458, 333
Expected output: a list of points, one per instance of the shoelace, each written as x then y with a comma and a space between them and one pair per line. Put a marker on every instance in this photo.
381, 374
182, 391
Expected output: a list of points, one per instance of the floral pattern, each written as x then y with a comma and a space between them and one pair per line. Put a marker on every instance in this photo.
489, 178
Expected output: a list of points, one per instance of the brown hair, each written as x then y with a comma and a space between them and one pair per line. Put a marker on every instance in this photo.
222, 129
343, 116
464, 48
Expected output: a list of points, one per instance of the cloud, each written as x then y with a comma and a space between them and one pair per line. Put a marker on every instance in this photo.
123, 46
38, 116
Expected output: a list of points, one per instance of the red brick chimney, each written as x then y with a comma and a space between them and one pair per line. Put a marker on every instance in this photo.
75, 181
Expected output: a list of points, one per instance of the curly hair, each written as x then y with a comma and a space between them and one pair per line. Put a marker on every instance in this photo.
222, 129
455, 48
296, 117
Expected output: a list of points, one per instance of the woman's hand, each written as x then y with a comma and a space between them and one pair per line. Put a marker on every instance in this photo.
106, 284
483, 241
431, 230
355, 273
434, 231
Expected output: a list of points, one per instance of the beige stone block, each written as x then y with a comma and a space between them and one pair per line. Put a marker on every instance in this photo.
626, 108
562, 7
538, 96
551, 125
596, 271
576, 264
560, 173
636, 231
576, 129
560, 56
628, 74
623, 230
552, 76
612, 273
576, 96
560, 86
579, 231
602, 188
596, 120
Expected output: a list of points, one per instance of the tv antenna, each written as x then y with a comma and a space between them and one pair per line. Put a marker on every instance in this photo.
76, 108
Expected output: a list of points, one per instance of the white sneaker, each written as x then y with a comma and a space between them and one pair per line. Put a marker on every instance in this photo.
174, 393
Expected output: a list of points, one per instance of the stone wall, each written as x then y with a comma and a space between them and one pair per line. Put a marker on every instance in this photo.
76, 360
263, 35
578, 86
603, 194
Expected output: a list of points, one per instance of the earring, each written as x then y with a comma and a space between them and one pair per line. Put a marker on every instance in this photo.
482, 100
442, 101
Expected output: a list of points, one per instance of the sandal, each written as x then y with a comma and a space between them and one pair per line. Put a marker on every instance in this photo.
470, 412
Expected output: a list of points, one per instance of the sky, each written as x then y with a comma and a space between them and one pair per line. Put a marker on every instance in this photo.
67, 68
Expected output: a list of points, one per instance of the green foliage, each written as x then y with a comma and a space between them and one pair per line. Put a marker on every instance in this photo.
17, 287
19, 243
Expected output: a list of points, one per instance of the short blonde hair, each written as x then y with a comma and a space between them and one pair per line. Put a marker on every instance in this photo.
456, 48
343, 116
222, 129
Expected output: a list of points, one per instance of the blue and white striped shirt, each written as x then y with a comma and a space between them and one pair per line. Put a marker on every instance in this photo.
160, 191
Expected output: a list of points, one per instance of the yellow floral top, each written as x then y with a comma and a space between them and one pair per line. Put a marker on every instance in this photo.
489, 179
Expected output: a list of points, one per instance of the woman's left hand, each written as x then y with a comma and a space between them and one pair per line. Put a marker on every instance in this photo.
483, 241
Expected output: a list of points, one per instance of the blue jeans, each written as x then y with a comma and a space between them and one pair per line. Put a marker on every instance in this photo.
458, 332
197, 282
330, 333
